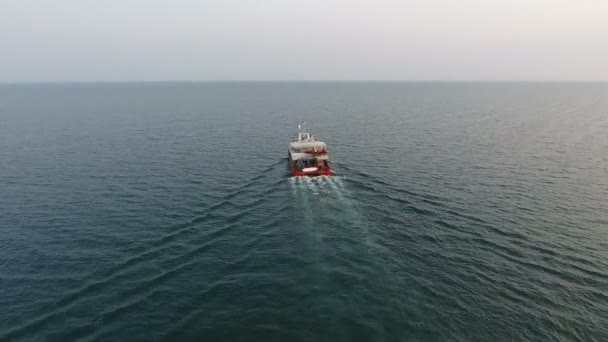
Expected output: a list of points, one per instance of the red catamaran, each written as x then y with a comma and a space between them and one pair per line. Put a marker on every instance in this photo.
307, 156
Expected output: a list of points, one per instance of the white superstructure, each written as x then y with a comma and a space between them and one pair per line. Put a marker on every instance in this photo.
307, 154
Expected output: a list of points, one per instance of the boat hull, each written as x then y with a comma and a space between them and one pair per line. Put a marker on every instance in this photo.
300, 173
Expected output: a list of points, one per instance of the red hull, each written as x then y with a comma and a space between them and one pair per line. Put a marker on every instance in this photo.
297, 173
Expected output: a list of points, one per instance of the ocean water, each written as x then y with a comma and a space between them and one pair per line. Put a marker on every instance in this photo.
165, 211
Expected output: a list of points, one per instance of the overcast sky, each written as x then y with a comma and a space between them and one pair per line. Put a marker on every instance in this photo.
88, 40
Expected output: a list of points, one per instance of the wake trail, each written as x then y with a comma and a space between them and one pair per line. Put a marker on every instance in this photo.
324, 201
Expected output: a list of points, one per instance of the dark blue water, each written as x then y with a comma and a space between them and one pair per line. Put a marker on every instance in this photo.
458, 211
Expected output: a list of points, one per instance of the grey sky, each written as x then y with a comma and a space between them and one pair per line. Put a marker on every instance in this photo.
87, 40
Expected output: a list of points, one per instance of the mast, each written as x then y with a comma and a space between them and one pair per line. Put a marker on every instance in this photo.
303, 132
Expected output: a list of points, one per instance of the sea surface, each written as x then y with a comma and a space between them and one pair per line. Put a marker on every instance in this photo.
166, 212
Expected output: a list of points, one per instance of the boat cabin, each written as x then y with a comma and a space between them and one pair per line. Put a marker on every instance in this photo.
308, 156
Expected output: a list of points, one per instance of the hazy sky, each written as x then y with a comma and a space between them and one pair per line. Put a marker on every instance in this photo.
87, 40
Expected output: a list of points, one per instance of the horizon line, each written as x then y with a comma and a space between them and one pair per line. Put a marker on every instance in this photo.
297, 81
